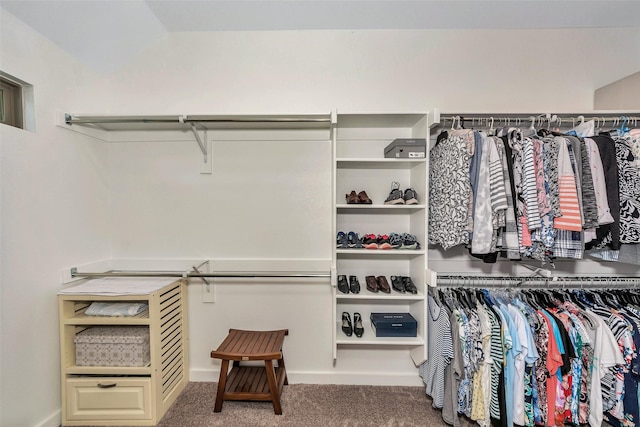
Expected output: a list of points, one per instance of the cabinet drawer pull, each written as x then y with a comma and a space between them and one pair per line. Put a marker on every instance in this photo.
100, 385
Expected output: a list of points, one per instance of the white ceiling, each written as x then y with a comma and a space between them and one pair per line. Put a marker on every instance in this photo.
106, 33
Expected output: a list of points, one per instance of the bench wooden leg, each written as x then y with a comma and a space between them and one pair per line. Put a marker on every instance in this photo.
222, 382
273, 387
281, 365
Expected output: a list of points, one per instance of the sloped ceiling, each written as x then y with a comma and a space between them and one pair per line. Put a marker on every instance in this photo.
106, 34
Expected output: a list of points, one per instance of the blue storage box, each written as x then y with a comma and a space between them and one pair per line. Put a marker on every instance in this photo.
394, 325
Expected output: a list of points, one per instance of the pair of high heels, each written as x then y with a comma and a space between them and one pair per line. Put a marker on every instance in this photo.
350, 328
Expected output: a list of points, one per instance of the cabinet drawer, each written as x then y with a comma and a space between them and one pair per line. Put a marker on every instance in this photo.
113, 398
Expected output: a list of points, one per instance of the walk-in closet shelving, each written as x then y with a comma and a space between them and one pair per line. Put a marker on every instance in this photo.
360, 165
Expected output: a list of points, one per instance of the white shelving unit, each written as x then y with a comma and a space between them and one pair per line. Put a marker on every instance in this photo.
359, 164
125, 395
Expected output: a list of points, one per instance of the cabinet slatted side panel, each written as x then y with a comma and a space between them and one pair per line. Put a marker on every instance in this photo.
171, 338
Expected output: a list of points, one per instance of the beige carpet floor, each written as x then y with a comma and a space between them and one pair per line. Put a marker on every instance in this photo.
306, 405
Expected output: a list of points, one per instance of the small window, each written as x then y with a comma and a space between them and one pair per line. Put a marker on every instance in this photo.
11, 111
17, 107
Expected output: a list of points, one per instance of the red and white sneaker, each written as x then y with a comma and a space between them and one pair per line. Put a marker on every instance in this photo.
383, 242
370, 241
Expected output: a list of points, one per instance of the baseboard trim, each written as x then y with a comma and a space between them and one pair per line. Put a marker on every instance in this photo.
343, 378
52, 420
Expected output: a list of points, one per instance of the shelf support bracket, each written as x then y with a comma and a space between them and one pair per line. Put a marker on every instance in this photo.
202, 145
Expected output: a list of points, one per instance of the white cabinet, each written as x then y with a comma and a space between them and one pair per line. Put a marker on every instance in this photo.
359, 165
125, 395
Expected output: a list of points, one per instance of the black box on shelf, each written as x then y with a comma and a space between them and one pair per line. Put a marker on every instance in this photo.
394, 325
406, 148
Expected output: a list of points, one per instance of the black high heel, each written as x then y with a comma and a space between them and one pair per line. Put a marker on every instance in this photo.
347, 326
358, 329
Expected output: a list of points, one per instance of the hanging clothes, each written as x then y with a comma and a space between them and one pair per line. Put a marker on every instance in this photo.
550, 357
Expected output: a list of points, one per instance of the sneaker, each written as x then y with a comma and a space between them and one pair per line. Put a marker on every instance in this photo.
395, 240
395, 195
370, 241
383, 242
341, 240
408, 285
410, 197
353, 240
409, 241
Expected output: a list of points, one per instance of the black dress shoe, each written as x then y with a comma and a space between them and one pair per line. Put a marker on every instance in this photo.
358, 329
372, 283
347, 326
343, 285
397, 284
408, 285
354, 284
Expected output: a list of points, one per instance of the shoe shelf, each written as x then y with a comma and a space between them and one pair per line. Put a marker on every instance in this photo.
369, 338
381, 252
364, 295
346, 208
377, 163
360, 165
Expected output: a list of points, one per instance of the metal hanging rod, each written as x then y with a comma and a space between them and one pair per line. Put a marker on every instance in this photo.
227, 274
628, 119
79, 119
617, 282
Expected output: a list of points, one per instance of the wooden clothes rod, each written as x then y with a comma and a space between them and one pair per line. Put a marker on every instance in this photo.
616, 282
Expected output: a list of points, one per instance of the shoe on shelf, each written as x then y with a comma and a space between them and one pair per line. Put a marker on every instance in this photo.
395, 195
352, 198
410, 196
343, 285
354, 284
347, 326
397, 284
363, 198
370, 241
409, 286
354, 241
383, 242
358, 328
342, 241
372, 283
383, 285
409, 241
395, 240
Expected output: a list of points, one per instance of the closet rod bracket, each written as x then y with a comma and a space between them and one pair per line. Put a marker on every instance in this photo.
201, 143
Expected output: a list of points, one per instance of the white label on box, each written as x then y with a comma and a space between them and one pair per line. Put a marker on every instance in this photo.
416, 154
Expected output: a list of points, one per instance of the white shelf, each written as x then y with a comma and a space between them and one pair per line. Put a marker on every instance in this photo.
377, 163
381, 252
369, 338
377, 208
365, 295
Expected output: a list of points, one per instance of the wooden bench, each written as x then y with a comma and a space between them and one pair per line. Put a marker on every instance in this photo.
251, 382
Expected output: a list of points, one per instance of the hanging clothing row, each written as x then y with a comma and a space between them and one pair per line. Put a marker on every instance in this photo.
534, 357
539, 194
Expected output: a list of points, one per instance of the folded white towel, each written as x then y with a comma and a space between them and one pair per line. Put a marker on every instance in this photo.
116, 309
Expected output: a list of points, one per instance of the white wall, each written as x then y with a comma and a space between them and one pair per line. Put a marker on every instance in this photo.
54, 204
60, 190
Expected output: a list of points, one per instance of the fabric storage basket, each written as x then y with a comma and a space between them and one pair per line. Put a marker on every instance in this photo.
113, 346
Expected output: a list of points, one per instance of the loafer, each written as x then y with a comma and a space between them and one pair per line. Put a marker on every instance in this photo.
363, 198
343, 285
352, 198
347, 326
358, 328
397, 284
372, 283
409, 286
354, 284
383, 285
